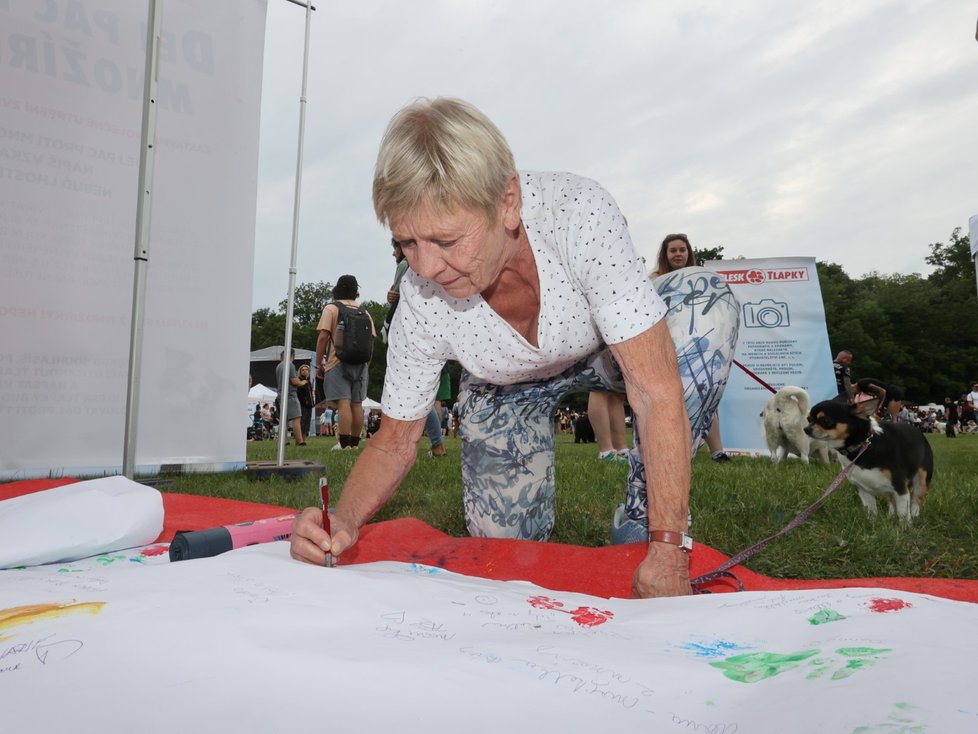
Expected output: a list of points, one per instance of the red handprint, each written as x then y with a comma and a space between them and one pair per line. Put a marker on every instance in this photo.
584, 616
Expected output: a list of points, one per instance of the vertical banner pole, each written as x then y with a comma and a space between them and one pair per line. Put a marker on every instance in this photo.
973, 242
144, 201
283, 387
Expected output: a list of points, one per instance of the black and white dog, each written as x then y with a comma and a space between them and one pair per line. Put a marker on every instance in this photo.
898, 465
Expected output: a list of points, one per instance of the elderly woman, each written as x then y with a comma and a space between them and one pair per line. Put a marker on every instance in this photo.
531, 282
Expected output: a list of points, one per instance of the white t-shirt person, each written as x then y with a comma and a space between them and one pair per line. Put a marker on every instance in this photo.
593, 292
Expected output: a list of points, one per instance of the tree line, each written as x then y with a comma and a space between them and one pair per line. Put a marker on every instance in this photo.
917, 332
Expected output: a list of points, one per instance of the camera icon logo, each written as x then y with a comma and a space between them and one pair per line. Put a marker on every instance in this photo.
766, 313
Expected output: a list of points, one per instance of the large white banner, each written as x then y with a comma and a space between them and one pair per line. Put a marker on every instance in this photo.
252, 642
783, 340
71, 77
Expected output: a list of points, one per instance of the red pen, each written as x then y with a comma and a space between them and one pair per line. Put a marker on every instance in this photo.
324, 498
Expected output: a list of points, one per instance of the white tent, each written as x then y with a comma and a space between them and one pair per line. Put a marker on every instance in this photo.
260, 393
257, 394
369, 405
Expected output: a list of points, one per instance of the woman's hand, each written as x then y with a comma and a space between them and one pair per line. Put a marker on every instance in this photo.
655, 392
378, 471
664, 572
310, 543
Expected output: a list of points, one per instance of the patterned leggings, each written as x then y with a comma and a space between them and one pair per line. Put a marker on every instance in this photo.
507, 430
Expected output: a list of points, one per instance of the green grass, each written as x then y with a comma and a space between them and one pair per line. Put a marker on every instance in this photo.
734, 505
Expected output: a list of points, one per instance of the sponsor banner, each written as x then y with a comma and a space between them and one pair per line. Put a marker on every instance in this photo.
783, 340
71, 78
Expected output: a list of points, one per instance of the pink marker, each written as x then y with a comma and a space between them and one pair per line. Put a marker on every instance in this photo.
324, 498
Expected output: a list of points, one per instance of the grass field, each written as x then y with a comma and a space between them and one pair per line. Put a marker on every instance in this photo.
734, 505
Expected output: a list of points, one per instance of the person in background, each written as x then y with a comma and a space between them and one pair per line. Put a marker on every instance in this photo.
454, 420
292, 408
344, 385
676, 253
969, 405
843, 376
443, 396
307, 398
950, 418
326, 420
904, 416
436, 436
532, 283
373, 423
394, 292
965, 414
891, 395
606, 411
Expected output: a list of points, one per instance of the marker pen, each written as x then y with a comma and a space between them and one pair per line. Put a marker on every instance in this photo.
324, 499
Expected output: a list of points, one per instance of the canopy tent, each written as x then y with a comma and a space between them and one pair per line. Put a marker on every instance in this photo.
256, 396
259, 393
369, 405
264, 361
271, 354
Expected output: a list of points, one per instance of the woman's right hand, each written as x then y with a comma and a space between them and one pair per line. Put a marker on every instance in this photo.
309, 542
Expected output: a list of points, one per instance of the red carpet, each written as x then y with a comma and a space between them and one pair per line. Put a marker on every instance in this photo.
604, 571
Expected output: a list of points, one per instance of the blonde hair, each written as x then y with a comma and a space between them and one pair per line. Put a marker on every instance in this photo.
443, 152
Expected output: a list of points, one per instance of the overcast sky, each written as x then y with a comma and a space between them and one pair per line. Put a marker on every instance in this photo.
840, 130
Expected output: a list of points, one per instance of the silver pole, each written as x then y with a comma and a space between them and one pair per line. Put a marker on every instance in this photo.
975, 260
973, 241
283, 387
144, 202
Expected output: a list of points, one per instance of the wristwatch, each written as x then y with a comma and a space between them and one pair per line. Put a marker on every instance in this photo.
685, 542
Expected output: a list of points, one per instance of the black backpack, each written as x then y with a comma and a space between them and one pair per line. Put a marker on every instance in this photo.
354, 337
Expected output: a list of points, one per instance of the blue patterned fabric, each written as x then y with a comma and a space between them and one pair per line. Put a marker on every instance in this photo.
703, 321
508, 434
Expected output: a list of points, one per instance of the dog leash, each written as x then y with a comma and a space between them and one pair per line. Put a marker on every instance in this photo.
751, 374
723, 570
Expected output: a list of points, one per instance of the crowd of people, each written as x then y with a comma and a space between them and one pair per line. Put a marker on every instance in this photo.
951, 417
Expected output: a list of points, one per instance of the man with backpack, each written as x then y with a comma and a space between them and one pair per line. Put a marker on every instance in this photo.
343, 351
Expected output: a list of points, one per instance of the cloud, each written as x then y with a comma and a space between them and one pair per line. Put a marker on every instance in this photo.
837, 130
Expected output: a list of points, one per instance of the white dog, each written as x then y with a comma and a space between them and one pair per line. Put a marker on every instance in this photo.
785, 417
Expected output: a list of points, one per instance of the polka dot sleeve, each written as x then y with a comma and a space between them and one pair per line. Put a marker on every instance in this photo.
609, 270
593, 291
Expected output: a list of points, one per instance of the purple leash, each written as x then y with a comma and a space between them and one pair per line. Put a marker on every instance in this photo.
722, 571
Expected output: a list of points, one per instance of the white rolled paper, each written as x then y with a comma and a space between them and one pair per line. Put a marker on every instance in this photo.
78, 521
